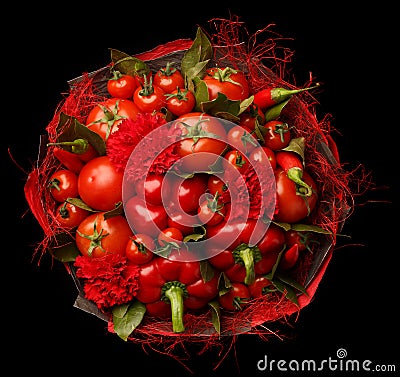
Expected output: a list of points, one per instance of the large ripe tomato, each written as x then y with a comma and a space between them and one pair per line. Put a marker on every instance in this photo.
100, 184
231, 82
293, 207
203, 133
105, 117
63, 184
96, 235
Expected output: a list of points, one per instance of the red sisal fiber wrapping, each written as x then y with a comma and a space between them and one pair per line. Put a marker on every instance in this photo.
265, 63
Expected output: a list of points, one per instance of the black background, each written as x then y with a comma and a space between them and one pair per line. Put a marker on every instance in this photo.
351, 51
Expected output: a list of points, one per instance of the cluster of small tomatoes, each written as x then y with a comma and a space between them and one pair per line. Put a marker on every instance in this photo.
88, 190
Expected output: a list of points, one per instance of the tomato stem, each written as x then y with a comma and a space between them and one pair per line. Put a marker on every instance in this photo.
296, 174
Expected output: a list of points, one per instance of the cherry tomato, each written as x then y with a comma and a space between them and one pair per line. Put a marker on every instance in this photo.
69, 215
145, 217
169, 234
223, 260
139, 249
241, 138
232, 83
196, 127
293, 207
236, 297
278, 135
175, 220
105, 117
180, 101
97, 235
261, 155
149, 98
63, 184
121, 85
302, 239
252, 117
211, 211
216, 185
169, 78
100, 184
237, 159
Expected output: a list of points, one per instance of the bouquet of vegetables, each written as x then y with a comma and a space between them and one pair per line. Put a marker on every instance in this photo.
190, 191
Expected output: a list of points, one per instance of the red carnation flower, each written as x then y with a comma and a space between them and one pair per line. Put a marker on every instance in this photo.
108, 280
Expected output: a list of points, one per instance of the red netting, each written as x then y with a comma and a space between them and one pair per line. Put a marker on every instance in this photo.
265, 62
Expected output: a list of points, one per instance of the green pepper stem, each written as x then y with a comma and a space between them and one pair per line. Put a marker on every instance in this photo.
279, 95
296, 175
248, 260
78, 146
175, 296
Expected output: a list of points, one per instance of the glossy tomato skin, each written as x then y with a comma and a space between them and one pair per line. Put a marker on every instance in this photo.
256, 288
153, 188
261, 155
121, 85
241, 138
233, 85
69, 215
273, 240
180, 101
107, 235
168, 79
211, 212
189, 147
105, 117
139, 249
100, 184
236, 159
63, 184
169, 234
278, 135
292, 207
149, 102
145, 217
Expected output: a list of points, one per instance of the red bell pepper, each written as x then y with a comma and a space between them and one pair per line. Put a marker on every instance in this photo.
178, 283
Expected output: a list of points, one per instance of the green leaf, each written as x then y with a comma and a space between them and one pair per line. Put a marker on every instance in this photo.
63, 247
293, 283
195, 59
275, 111
297, 145
245, 104
287, 290
206, 270
216, 315
309, 228
70, 129
221, 105
118, 210
196, 236
127, 317
270, 276
284, 226
224, 284
77, 202
128, 64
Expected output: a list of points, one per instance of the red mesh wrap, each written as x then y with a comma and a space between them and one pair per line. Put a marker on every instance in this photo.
265, 63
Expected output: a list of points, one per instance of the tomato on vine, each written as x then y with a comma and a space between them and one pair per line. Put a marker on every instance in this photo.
149, 97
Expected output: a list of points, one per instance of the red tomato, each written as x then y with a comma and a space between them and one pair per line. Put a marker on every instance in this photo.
139, 249
105, 117
169, 78
223, 260
211, 211
63, 184
121, 85
257, 288
180, 101
100, 184
252, 117
232, 83
302, 239
216, 184
241, 138
236, 297
293, 207
145, 217
168, 235
261, 155
175, 220
196, 127
69, 215
278, 135
96, 235
237, 159
149, 98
